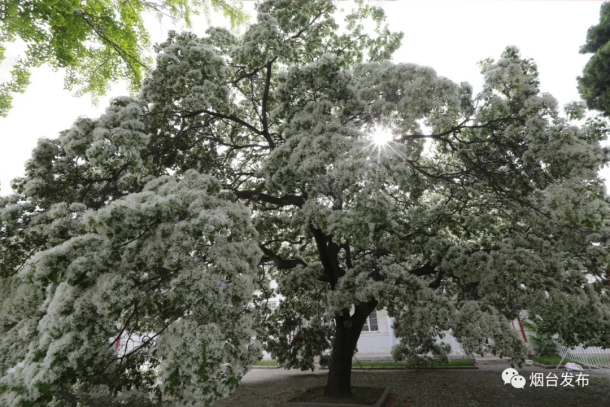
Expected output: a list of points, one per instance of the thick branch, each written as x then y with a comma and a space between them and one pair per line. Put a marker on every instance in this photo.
264, 108
381, 252
424, 270
328, 252
427, 270
281, 264
285, 200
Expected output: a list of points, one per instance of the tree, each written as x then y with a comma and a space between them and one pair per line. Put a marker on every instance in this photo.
97, 41
367, 184
594, 85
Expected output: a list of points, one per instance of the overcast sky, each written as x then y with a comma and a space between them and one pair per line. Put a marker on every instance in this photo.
449, 36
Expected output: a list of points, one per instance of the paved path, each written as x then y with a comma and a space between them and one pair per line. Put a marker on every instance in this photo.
426, 388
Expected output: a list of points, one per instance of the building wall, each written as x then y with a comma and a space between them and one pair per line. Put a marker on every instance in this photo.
380, 343
376, 342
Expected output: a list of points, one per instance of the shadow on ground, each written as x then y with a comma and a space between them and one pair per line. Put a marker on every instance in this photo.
439, 388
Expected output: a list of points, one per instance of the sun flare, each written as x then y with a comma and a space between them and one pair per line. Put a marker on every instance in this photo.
381, 136
382, 140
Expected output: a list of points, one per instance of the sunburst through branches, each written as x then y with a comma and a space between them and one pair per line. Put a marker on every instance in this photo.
381, 139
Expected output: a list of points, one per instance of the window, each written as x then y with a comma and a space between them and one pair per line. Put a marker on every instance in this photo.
371, 323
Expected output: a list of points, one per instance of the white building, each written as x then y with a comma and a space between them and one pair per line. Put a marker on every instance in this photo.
377, 337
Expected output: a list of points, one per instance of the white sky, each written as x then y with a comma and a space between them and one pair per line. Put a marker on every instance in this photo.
449, 36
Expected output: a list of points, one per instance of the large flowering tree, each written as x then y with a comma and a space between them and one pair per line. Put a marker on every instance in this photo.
594, 85
297, 153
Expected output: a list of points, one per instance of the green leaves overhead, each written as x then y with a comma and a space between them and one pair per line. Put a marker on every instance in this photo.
247, 160
98, 41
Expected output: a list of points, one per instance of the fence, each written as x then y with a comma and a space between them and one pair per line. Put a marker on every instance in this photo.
591, 357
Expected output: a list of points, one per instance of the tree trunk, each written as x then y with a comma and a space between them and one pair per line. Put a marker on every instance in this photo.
340, 370
347, 332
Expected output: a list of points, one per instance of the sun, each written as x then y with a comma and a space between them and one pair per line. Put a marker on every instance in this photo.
382, 140
381, 136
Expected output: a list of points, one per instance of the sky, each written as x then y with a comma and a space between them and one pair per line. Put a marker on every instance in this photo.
449, 36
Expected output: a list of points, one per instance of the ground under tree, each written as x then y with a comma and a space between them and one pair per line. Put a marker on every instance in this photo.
303, 155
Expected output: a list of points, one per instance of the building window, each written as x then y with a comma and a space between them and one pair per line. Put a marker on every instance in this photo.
371, 323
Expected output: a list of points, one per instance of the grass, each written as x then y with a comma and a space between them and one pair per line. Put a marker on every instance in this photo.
266, 363
378, 364
365, 396
550, 360
452, 363
459, 362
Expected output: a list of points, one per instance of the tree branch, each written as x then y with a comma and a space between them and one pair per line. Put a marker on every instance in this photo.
437, 281
224, 116
424, 270
328, 252
281, 264
285, 200
348, 256
264, 108
119, 50
454, 129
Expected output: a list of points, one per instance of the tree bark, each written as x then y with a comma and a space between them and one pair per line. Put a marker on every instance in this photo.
340, 370
347, 332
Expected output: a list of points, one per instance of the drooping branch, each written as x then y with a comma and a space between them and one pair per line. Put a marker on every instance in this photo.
281, 264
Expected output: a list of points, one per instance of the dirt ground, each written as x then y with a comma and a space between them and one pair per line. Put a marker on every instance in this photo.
439, 388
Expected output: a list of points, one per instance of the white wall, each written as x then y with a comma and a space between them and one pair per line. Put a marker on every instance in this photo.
376, 342
379, 343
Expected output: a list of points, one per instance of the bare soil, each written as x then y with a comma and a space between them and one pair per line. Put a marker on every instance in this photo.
426, 388
366, 396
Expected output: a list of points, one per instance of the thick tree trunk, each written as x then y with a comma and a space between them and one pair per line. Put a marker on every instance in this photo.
347, 332
340, 370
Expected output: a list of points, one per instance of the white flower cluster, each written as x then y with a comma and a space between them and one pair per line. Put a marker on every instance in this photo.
255, 159
157, 261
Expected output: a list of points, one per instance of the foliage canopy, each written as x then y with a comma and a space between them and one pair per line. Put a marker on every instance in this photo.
98, 42
594, 85
246, 160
